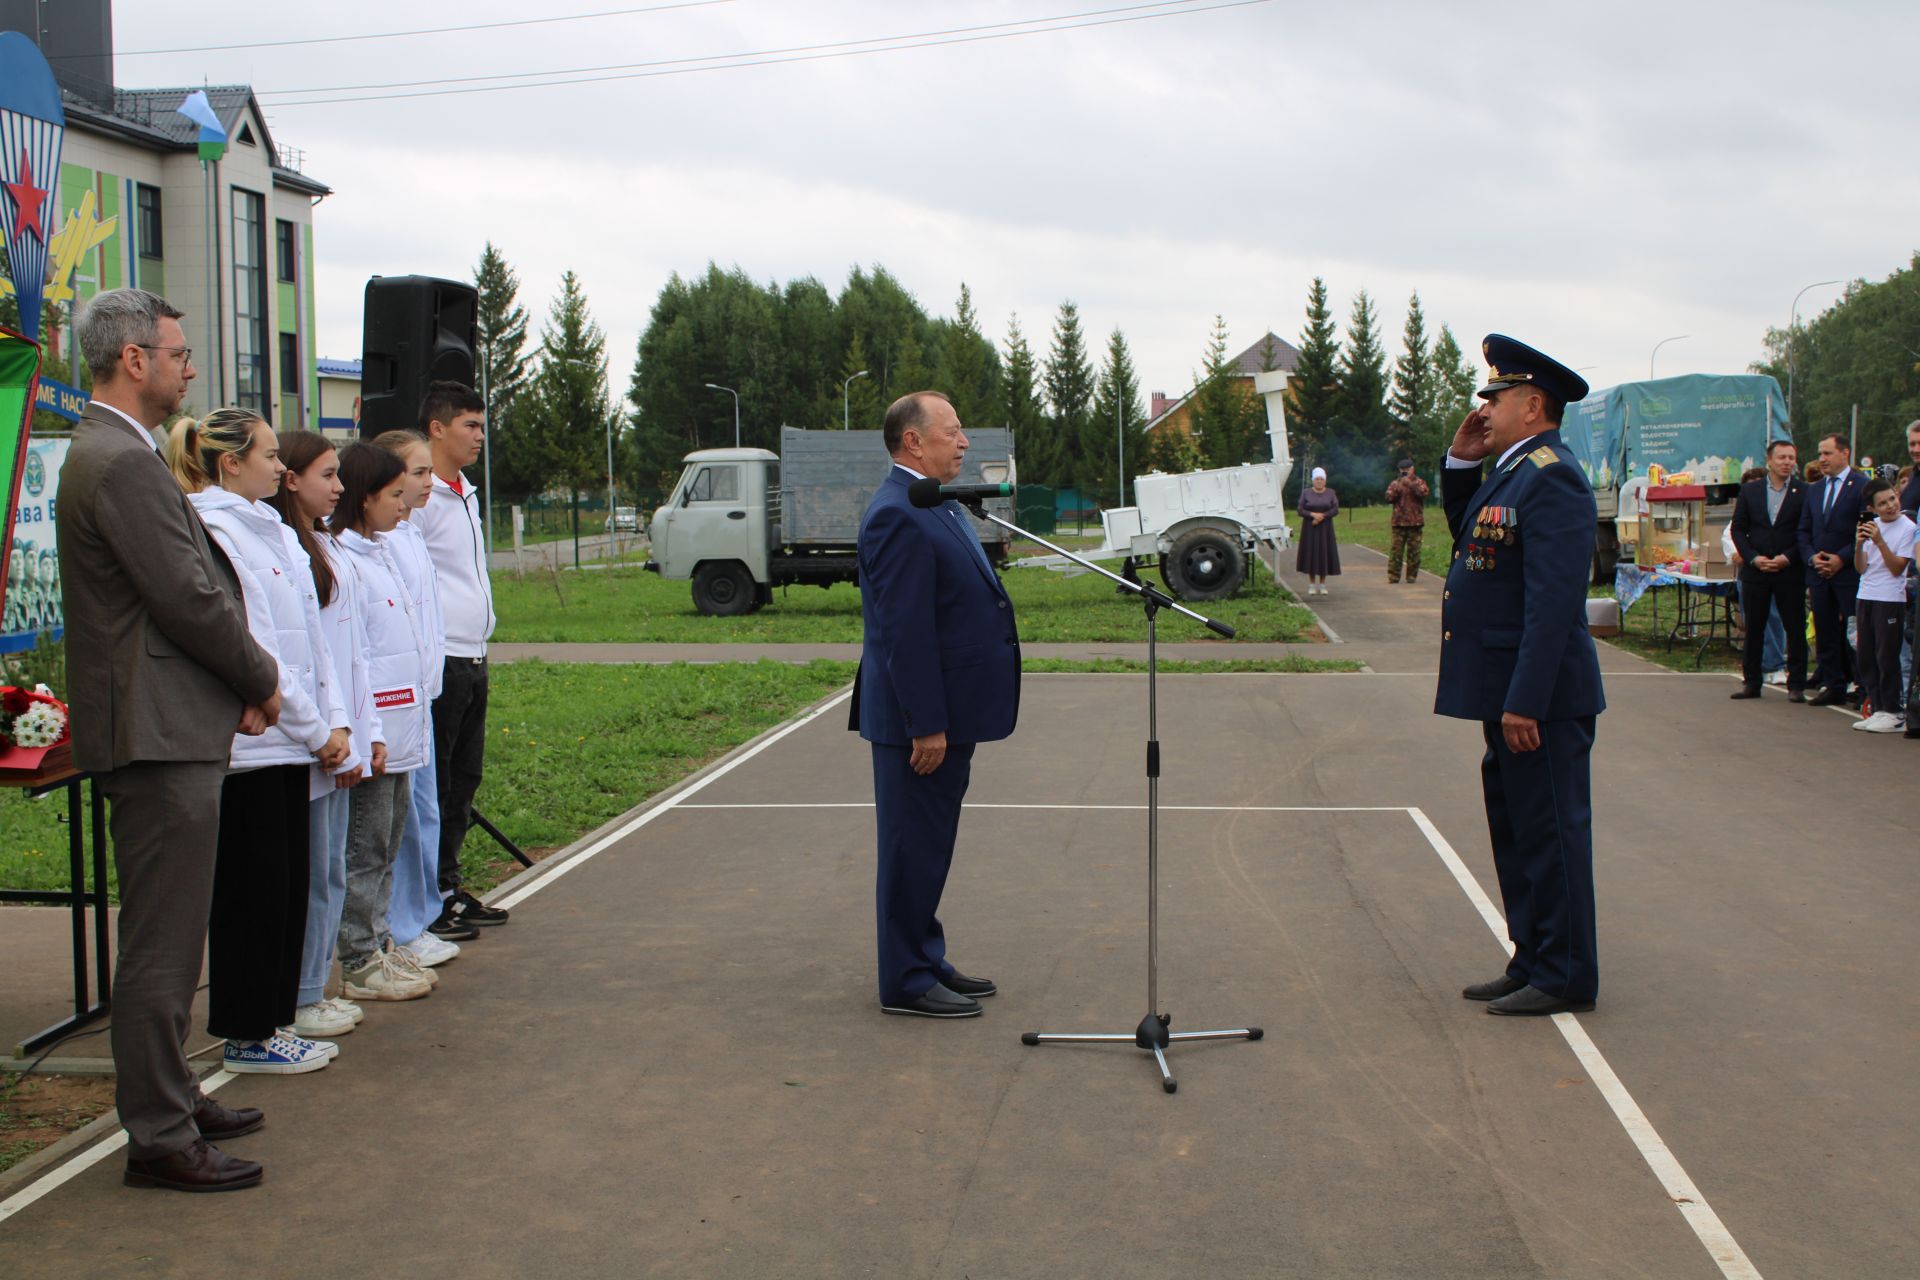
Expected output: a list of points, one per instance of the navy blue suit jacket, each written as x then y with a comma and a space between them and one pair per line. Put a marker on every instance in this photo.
940, 652
1822, 530
1513, 616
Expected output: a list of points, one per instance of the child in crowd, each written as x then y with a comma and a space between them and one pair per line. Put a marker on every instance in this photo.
372, 500
417, 900
309, 490
1883, 548
229, 464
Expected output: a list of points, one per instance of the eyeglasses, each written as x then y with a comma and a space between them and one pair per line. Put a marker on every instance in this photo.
185, 353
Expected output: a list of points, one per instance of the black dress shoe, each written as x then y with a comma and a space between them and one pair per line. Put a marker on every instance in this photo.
960, 984
217, 1123
1827, 698
1504, 985
200, 1167
1796, 695
935, 1002
1531, 1002
1745, 691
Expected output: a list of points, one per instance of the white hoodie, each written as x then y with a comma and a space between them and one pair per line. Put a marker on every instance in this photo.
397, 650
410, 552
345, 629
456, 536
283, 613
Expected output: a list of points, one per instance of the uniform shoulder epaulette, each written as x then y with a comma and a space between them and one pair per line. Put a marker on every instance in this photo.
1544, 456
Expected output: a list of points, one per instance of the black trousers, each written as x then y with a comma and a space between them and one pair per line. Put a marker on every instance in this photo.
459, 756
1832, 606
259, 920
1787, 592
1877, 630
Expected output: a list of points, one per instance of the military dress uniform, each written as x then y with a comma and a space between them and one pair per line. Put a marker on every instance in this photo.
1514, 639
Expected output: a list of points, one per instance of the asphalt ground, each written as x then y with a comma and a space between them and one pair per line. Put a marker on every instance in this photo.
672, 1063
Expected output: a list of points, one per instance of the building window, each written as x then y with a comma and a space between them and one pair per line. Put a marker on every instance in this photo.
283, 245
250, 300
149, 200
289, 363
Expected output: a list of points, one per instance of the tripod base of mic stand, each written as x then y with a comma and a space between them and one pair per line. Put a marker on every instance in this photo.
1153, 1034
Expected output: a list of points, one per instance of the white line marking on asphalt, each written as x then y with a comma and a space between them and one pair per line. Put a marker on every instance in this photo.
1680, 1188
56, 1178
1118, 808
1841, 707
672, 802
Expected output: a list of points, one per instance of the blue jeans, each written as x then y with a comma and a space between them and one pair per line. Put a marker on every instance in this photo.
326, 890
416, 898
1773, 645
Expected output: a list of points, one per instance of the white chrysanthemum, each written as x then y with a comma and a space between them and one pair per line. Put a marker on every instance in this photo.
39, 725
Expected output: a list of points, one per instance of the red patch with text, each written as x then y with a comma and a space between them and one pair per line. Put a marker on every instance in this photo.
387, 699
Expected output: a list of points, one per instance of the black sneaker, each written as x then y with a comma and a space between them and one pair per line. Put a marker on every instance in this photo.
473, 911
449, 927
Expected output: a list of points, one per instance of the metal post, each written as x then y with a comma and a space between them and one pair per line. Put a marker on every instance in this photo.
1120, 432
610, 529
714, 386
1793, 316
1656, 350
846, 404
1853, 434
486, 455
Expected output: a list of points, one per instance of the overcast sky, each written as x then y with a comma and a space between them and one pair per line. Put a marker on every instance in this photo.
1590, 179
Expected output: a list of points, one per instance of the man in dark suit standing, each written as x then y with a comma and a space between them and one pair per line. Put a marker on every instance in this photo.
1828, 517
1515, 656
939, 672
1766, 532
161, 671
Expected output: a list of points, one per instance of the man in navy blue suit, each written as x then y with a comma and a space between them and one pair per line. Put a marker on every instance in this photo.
1828, 519
1515, 655
939, 672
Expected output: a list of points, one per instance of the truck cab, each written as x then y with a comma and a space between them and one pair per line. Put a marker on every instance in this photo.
718, 527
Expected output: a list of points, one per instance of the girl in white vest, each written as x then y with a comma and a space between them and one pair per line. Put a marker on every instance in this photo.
417, 901
229, 464
309, 490
372, 500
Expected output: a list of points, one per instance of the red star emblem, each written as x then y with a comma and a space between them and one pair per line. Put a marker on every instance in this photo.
27, 201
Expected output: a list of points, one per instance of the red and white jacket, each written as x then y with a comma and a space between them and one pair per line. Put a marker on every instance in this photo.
397, 648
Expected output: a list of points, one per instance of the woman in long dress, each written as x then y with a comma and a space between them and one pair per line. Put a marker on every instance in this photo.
1319, 554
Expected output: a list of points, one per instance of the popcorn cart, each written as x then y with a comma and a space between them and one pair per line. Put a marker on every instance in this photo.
1673, 528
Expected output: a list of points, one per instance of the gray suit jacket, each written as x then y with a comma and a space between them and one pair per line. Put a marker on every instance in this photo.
159, 659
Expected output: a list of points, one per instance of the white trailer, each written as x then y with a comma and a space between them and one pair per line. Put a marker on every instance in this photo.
1201, 526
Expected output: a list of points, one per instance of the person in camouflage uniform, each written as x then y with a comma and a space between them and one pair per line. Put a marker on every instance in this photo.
1408, 494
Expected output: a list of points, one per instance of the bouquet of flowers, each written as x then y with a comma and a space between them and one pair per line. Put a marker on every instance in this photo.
32, 722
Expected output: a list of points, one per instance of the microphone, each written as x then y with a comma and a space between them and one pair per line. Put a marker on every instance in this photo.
928, 492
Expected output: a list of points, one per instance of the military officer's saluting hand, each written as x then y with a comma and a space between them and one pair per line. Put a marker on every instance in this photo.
1515, 655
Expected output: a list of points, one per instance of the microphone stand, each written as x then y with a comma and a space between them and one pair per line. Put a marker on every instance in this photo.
1155, 1032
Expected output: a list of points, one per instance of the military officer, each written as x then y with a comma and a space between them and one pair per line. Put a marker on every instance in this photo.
1515, 655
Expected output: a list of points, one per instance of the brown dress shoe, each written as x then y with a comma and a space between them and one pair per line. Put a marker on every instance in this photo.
1745, 691
200, 1167
217, 1123
1493, 988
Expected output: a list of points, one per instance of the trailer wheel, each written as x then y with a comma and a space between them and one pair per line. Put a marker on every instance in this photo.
1205, 564
723, 590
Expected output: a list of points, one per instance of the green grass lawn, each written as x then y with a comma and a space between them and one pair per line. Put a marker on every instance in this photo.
568, 747
630, 606
1289, 664
1370, 527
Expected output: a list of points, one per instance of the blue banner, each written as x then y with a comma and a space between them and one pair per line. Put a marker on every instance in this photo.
58, 397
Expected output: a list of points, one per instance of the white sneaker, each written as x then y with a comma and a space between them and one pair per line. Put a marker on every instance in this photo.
1777, 677
321, 1019
349, 1008
283, 1055
408, 963
325, 1048
1881, 722
382, 979
430, 951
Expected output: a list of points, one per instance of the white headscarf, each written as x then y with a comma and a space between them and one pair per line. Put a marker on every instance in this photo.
1319, 473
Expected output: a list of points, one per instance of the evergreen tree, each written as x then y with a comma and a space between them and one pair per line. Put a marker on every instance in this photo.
966, 366
1413, 384
1361, 440
1021, 411
861, 409
910, 371
1069, 381
558, 439
1313, 390
1217, 413
501, 360
1454, 382
1118, 419
875, 306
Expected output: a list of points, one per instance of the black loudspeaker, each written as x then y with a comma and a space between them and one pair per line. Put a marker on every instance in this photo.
416, 330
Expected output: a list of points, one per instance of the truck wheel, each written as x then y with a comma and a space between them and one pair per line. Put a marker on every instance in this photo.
722, 590
1205, 564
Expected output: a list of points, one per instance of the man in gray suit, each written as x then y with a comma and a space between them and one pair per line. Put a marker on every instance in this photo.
161, 670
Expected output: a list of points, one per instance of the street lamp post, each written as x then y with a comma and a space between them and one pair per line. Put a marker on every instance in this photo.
846, 401
1656, 350
714, 386
1793, 318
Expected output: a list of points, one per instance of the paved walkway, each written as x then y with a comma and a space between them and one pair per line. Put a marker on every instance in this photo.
670, 1062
